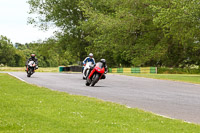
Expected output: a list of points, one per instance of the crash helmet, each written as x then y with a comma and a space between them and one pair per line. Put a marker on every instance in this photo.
91, 55
103, 61
32, 56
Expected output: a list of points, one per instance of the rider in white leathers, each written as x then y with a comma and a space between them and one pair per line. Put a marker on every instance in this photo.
86, 60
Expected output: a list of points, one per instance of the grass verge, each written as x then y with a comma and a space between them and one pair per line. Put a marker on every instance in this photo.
41, 69
190, 78
28, 108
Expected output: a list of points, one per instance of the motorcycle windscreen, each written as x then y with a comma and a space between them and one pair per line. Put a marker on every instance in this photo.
100, 65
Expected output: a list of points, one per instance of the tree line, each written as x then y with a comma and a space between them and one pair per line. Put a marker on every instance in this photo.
48, 53
124, 32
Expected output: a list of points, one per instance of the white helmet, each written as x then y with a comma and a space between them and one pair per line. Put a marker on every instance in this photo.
91, 54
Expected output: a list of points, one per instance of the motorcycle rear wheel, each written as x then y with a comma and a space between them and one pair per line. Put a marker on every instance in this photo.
87, 84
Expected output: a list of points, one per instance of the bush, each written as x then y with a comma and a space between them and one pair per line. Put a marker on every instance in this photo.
164, 70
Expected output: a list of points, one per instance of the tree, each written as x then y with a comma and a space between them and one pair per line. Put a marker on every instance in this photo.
7, 52
66, 16
179, 21
122, 30
125, 32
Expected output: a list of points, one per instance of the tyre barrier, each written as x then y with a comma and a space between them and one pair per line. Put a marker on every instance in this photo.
146, 70
70, 69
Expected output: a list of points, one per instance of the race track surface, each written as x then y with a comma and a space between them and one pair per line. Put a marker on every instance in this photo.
172, 99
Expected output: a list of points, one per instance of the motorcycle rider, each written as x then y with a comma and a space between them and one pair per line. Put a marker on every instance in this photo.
101, 64
33, 58
103, 61
88, 59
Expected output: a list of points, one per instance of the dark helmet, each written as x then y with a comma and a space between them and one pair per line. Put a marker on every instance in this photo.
33, 56
103, 61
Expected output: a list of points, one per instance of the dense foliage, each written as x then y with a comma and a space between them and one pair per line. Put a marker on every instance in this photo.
8, 54
125, 32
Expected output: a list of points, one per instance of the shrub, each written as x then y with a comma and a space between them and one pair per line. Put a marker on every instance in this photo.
165, 70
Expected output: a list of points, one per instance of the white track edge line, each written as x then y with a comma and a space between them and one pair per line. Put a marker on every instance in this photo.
126, 106
18, 78
164, 116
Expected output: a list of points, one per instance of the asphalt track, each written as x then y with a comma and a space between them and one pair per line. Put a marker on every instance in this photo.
172, 99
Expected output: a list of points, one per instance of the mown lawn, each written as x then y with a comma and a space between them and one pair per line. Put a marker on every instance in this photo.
32, 109
190, 78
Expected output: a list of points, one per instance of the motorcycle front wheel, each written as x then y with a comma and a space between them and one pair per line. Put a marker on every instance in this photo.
29, 72
95, 79
88, 81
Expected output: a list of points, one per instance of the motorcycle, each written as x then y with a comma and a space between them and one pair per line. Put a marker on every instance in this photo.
30, 68
86, 70
96, 74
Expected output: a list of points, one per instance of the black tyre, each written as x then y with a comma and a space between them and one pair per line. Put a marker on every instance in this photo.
87, 84
86, 73
95, 79
28, 75
88, 81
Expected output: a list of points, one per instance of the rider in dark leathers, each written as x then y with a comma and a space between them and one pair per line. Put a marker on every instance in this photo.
33, 58
105, 66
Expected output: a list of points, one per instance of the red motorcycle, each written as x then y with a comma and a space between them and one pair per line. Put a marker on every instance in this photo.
96, 74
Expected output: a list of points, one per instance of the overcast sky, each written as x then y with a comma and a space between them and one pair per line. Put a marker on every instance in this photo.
13, 23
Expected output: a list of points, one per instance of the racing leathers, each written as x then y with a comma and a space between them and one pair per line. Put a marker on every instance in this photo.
32, 59
88, 59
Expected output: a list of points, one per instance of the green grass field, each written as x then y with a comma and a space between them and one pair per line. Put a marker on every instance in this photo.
32, 109
190, 78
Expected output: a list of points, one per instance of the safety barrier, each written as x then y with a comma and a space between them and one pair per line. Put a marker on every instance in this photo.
134, 70
70, 68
